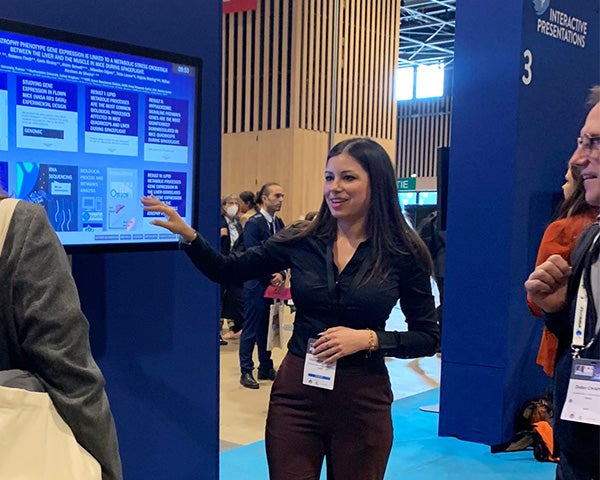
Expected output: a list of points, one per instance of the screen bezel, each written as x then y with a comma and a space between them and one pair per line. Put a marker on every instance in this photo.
140, 51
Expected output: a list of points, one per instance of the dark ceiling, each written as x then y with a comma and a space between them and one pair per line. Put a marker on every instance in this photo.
426, 32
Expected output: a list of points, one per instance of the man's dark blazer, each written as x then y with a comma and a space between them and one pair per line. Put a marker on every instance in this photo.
579, 442
257, 231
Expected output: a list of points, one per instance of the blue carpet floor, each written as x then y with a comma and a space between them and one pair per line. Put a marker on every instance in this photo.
417, 454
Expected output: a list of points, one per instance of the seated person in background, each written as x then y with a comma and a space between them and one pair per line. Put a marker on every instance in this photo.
560, 237
43, 331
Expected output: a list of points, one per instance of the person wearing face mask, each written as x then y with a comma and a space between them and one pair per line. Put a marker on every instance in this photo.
232, 303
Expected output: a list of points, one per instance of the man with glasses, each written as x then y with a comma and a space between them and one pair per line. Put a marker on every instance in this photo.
589, 145
570, 298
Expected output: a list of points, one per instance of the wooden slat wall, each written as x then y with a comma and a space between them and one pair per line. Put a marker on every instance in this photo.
257, 60
277, 67
367, 61
291, 157
278, 86
424, 125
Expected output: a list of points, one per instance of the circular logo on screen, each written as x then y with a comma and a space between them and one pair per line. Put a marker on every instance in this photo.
541, 6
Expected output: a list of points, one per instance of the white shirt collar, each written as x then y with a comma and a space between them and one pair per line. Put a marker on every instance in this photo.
267, 216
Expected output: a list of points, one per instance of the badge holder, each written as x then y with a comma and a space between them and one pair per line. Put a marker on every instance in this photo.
316, 373
583, 394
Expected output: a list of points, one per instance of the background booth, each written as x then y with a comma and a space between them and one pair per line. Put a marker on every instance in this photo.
522, 74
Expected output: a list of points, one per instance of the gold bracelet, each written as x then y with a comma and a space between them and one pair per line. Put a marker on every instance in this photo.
371, 347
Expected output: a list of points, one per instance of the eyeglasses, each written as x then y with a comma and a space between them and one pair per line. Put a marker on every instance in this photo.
589, 144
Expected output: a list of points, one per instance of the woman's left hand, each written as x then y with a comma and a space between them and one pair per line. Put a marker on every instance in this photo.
337, 342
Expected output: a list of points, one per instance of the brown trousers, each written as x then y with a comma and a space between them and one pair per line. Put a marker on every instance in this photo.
350, 426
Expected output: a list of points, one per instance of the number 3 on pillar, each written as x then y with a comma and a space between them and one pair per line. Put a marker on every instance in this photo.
528, 75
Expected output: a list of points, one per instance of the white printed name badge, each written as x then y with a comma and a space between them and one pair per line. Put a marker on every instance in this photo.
583, 396
316, 373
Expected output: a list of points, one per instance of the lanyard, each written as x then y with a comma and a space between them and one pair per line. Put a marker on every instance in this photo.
581, 305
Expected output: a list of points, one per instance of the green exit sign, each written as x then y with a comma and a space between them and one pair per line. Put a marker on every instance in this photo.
406, 184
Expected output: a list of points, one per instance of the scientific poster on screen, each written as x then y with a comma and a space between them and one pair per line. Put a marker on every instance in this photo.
166, 130
122, 199
84, 132
46, 114
92, 188
53, 187
111, 125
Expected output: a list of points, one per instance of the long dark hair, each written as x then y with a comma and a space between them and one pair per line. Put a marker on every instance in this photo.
385, 225
575, 204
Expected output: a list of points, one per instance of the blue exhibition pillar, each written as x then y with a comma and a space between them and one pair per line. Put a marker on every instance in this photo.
522, 73
153, 316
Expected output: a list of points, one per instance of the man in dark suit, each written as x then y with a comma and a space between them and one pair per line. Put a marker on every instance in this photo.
258, 229
570, 298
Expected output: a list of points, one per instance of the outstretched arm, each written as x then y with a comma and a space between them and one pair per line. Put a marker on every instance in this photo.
217, 267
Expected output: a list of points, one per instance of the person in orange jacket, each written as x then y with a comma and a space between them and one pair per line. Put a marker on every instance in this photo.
560, 237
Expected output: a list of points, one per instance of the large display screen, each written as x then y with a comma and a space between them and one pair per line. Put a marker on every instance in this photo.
88, 126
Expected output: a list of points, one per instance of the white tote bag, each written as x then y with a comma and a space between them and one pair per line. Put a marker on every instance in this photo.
7, 207
36, 443
274, 339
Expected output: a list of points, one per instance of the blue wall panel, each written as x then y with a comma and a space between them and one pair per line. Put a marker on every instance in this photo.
153, 317
518, 105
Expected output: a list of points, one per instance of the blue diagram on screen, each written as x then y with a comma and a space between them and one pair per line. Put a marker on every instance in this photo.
54, 188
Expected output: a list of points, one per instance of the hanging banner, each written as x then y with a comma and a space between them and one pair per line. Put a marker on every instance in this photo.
233, 6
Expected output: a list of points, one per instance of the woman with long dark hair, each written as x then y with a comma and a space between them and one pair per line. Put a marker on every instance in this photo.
331, 397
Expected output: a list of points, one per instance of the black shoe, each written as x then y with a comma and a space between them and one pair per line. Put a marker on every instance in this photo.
267, 374
221, 341
248, 381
